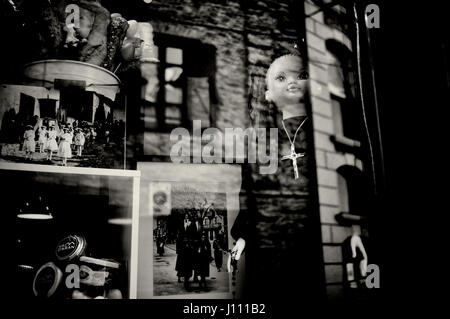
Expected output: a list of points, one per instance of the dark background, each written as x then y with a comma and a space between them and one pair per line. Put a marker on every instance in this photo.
411, 61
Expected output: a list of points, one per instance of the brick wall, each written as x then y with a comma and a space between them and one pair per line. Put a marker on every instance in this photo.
327, 158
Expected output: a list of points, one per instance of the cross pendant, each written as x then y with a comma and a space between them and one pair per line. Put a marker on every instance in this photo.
293, 157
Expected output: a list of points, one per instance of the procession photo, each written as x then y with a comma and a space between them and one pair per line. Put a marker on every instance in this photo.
190, 245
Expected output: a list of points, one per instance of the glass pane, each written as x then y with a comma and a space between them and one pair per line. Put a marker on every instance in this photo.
174, 56
149, 72
156, 51
336, 79
343, 194
150, 120
173, 94
149, 52
172, 74
173, 115
198, 100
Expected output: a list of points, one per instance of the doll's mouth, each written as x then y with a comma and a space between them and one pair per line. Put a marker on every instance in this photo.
293, 89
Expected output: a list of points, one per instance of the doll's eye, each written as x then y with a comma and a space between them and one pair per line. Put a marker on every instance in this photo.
303, 76
280, 78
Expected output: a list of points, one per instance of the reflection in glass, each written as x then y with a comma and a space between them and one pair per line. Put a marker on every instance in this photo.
173, 95
173, 115
174, 56
172, 74
149, 72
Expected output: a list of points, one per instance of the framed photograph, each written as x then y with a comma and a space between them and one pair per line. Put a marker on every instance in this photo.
75, 231
186, 213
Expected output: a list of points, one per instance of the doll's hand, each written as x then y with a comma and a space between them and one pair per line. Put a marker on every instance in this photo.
236, 252
356, 242
363, 267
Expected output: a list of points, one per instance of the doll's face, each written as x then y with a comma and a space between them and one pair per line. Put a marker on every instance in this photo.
287, 81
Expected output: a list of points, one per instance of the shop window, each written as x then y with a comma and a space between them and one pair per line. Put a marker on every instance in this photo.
181, 87
342, 86
353, 190
164, 93
337, 14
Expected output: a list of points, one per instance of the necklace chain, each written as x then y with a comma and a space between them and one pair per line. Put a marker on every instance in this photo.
295, 135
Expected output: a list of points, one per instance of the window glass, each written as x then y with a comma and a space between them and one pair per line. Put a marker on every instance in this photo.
174, 95
174, 56
173, 115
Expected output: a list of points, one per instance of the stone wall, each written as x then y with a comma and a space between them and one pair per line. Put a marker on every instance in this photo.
328, 159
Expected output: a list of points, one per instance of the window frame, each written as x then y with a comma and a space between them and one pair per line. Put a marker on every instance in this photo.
162, 42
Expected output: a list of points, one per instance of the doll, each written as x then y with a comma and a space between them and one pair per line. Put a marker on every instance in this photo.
287, 84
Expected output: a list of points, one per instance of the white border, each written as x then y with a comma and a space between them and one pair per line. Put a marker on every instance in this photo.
227, 175
68, 169
134, 238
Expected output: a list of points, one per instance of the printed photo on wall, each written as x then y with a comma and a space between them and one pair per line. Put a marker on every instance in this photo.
186, 217
75, 231
194, 239
65, 125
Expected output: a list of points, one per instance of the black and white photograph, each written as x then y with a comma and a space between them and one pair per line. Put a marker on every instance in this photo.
74, 232
186, 218
60, 93
220, 150
73, 127
191, 243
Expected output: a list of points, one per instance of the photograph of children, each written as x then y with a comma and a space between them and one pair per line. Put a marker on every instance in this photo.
78, 130
71, 80
190, 244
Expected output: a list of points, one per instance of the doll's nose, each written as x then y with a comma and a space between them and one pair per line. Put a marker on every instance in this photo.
292, 80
